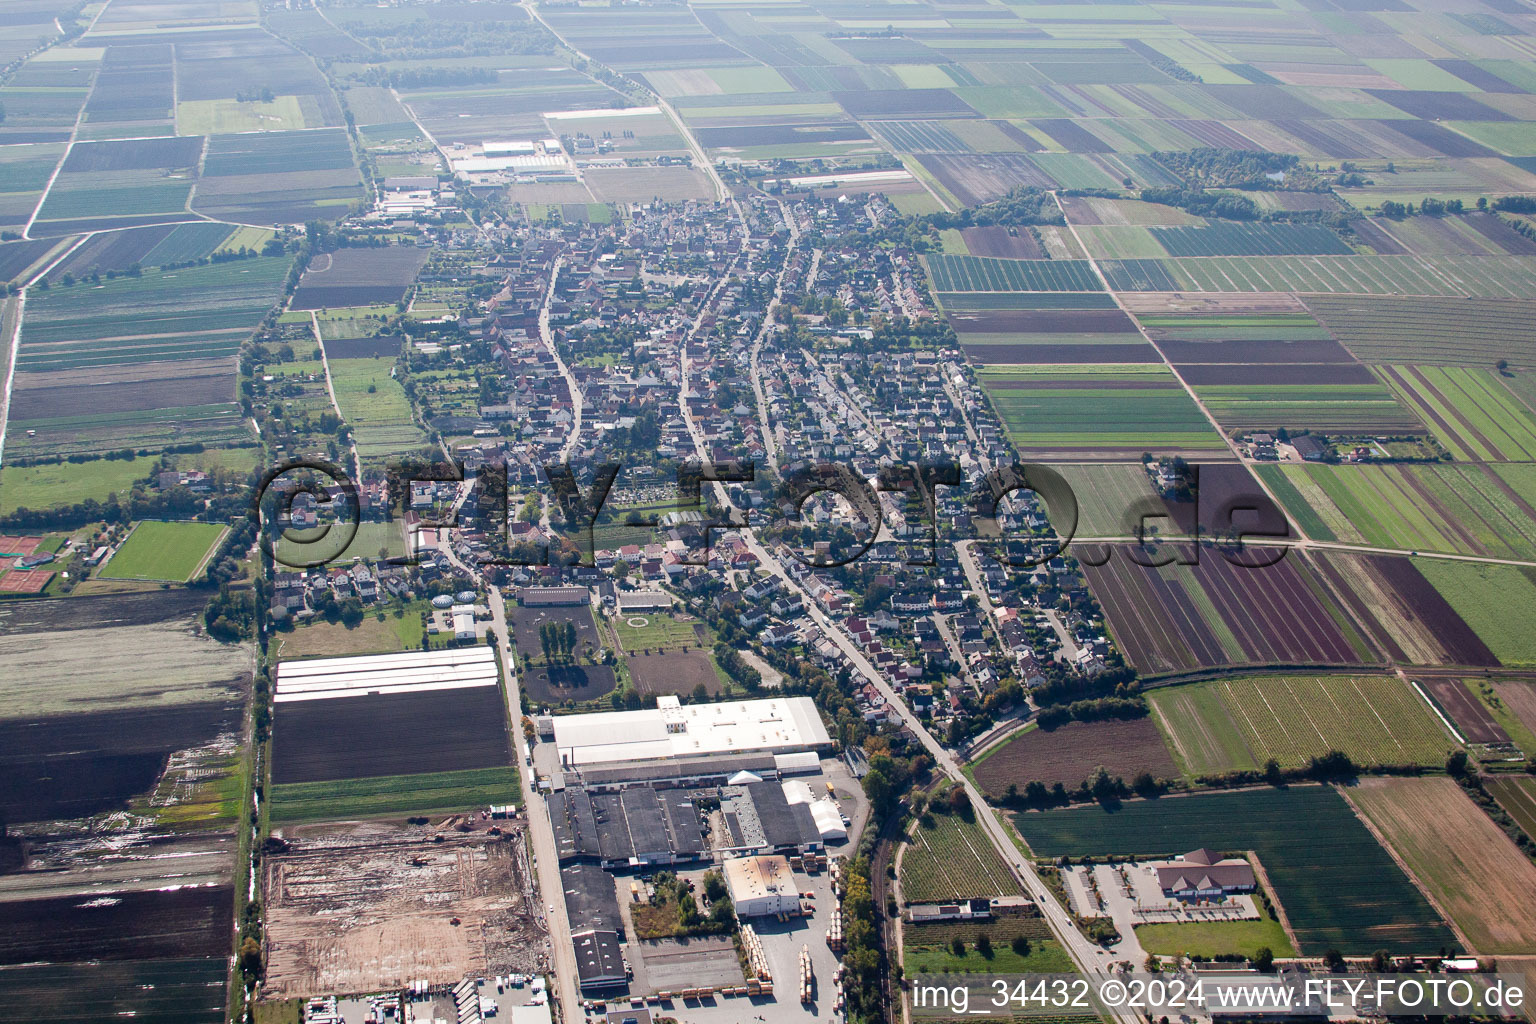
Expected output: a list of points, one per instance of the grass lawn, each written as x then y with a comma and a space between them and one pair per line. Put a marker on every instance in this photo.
1213, 938
394, 795
171, 552
68, 483
659, 629
1045, 956
332, 639
370, 539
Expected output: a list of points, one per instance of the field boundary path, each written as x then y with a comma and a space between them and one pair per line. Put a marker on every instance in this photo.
357, 462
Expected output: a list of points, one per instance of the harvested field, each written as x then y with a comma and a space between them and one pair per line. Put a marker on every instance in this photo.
975, 178
1041, 321
33, 402
389, 734
1471, 716
76, 765
1520, 697
679, 672
1438, 331
157, 664
370, 908
1429, 106
1072, 752
949, 857
643, 184
1235, 724
359, 277
1339, 888
902, 104
1470, 867
187, 922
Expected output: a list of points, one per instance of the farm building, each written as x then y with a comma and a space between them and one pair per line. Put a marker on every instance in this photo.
410, 672
761, 886
1202, 874
964, 910
672, 729
552, 597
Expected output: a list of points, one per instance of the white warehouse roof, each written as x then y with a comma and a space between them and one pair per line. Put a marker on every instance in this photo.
413, 671
672, 729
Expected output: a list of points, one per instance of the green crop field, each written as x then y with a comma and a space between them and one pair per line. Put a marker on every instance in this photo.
1497, 601
380, 418
1517, 795
1330, 408
1233, 724
172, 552
393, 795
953, 860
1127, 408
1045, 956
1339, 888
1211, 939
984, 274
1229, 239
68, 483
1472, 413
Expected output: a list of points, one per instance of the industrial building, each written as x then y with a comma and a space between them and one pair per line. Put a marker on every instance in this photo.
597, 927
553, 597
778, 725
634, 827
760, 819
761, 886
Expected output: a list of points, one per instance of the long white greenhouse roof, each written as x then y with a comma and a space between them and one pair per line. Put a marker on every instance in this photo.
410, 672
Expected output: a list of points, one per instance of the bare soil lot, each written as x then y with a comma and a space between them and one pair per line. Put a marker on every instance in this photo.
1474, 720
389, 734
1010, 243
679, 672
358, 277
1073, 752
569, 682
367, 908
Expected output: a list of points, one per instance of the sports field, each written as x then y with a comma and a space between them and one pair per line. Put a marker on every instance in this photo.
170, 552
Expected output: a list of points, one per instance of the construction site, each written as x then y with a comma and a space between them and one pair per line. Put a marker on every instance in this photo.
368, 907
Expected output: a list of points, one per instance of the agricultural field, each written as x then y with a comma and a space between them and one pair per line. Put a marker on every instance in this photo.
453, 730
1472, 717
1458, 509
1518, 798
392, 796
1470, 411
1071, 753
138, 361
375, 406
358, 277
675, 672
1362, 902
1470, 867
1212, 613
979, 274
1097, 409
1240, 724
952, 859
1110, 497
1045, 956
1498, 602
1437, 331
173, 552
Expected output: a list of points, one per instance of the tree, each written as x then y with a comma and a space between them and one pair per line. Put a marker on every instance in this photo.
1020, 945
1501, 365
1264, 960
1456, 766
700, 694
1272, 773
957, 946
250, 955
1381, 961
1335, 961
984, 944
714, 885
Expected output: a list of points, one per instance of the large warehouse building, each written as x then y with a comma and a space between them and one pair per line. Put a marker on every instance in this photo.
778, 725
761, 886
